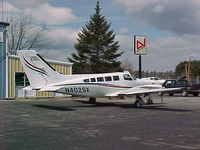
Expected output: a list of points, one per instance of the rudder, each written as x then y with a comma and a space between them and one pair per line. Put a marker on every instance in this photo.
38, 71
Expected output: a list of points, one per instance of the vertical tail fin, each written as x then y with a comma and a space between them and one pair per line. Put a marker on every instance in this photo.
38, 71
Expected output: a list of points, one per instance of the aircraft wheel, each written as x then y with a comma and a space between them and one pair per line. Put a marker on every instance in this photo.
184, 93
92, 100
195, 94
138, 104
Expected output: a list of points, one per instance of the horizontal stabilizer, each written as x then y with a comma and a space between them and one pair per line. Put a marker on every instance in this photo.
29, 88
51, 88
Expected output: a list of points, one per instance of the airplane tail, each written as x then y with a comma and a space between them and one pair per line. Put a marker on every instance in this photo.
38, 71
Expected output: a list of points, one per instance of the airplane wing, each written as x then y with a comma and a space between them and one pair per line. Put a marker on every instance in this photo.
142, 90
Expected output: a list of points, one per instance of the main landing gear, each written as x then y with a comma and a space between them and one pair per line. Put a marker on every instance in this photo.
92, 100
139, 101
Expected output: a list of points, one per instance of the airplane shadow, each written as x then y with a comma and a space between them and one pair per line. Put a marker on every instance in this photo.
154, 107
164, 108
157, 106
179, 95
59, 108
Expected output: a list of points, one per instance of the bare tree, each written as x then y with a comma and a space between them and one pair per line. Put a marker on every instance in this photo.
23, 34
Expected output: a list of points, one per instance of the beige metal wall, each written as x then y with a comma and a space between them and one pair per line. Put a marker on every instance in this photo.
14, 66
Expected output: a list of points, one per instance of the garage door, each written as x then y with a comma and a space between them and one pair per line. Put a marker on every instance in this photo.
21, 81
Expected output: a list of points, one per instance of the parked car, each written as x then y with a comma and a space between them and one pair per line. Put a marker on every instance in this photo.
186, 88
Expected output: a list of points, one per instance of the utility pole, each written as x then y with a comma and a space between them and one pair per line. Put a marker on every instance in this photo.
2, 11
186, 70
189, 78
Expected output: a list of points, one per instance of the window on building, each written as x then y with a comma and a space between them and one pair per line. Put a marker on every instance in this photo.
108, 78
115, 78
127, 77
92, 79
100, 79
21, 79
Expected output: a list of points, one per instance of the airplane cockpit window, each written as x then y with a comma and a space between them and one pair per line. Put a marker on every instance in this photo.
92, 79
154, 78
108, 78
86, 80
100, 79
133, 77
127, 77
115, 78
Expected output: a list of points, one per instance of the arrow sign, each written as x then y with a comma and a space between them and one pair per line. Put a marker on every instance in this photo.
140, 45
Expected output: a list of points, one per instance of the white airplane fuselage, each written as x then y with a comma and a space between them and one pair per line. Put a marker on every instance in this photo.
99, 85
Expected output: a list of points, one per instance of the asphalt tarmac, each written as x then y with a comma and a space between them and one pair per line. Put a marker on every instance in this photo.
74, 124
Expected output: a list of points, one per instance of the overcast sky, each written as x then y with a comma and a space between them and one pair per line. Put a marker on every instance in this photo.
172, 27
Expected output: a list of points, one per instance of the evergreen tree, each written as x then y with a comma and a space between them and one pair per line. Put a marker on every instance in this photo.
96, 47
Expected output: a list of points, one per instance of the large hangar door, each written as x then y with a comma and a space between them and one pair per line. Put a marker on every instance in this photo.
21, 81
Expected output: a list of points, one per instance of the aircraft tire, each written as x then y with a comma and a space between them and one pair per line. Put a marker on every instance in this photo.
138, 104
195, 94
184, 93
92, 100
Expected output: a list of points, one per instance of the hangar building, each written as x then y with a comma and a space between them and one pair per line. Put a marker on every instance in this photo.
12, 76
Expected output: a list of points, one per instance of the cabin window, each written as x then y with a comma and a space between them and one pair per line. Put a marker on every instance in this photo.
92, 79
127, 77
100, 79
115, 78
86, 80
108, 78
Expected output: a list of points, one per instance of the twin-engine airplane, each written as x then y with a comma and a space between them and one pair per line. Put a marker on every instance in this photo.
43, 77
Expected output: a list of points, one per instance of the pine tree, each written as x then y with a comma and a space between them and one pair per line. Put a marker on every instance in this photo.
96, 47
